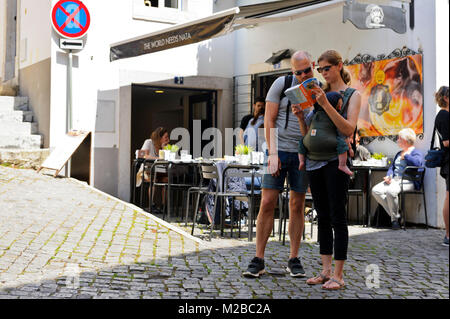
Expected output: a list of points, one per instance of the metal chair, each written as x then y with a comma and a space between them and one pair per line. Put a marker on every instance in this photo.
356, 192
145, 184
192, 190
210, 172
179, 184
243, 171
413, 174
283, 200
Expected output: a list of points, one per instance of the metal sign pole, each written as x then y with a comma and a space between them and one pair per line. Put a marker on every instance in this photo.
71, 27
69, 92
69, 104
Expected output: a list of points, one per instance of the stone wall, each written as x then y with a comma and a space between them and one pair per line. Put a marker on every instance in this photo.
23, 158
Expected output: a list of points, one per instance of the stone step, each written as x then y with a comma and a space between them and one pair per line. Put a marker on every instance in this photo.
24, 158
13, 103
18, 128
16, 116
27, 142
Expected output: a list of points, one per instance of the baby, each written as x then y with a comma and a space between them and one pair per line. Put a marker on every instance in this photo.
336, 101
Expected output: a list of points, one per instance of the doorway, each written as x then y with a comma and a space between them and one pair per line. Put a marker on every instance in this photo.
201, 108
171, 108
263, 81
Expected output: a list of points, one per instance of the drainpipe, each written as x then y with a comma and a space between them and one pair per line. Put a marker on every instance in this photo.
15, 81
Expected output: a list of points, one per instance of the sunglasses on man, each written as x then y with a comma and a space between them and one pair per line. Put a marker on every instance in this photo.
300, 72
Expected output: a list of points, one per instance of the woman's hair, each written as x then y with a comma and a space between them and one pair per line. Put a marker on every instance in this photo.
156, 137
408, 135
334, 58
261, 111
439, 96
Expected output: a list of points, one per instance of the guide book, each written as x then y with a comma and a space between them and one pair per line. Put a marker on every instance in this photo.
302, 94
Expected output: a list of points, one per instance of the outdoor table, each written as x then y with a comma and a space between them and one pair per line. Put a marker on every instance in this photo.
222, 168
368, 169
169, 165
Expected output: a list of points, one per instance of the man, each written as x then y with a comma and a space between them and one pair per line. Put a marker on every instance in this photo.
282, 132
257, 107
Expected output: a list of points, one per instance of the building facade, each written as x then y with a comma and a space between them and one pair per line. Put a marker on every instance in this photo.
213, 81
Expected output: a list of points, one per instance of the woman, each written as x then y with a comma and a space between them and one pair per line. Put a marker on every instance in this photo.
441, 123
158, 140
386, 192
329, 185
251, 137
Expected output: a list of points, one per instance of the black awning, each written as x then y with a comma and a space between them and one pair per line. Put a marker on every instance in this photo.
203, 29
172, 38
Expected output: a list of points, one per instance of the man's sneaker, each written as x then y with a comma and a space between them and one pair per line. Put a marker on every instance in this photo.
395, 225
255, 268
295, 268
445, 242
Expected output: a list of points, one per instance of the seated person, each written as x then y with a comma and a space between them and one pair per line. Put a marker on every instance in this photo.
253, 139
336, 101
251, 136
361, 153
158, 140
386, 192
258, 109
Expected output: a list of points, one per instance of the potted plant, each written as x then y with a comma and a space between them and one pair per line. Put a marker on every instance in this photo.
243, 153
173, 150
380, 157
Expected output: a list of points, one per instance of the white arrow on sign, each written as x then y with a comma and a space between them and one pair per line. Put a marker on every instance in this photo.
71, 44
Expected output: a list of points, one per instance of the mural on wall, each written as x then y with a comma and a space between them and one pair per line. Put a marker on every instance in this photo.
392, 93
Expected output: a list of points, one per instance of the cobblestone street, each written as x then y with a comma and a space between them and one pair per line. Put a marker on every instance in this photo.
60, 238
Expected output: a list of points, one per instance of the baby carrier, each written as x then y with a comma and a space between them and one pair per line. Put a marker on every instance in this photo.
320, 141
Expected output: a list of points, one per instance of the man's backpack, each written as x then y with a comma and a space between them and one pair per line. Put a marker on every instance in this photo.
287, 85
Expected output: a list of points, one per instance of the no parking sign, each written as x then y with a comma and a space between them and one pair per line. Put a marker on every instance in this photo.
71, 18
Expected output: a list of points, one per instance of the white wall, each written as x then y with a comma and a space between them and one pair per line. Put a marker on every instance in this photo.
35, 31
215, 57
2, 37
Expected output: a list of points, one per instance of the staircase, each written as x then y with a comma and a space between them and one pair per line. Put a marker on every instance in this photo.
20, 142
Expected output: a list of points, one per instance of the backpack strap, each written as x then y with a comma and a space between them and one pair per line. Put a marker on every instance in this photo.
287, 85
347, 94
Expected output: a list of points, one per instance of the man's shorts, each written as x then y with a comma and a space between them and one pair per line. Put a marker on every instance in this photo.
298, 180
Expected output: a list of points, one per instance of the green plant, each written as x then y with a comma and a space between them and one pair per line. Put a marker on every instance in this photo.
172, 148
378, 156
243, 149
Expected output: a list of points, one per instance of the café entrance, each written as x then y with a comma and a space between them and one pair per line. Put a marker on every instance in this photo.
171, 108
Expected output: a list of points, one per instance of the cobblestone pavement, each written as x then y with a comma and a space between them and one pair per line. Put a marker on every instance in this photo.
62, 239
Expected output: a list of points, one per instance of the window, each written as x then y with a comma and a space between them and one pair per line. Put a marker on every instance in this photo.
163, 3
164, 11
171, 4
151, 3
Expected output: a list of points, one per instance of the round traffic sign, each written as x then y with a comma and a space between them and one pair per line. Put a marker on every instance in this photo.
71, 18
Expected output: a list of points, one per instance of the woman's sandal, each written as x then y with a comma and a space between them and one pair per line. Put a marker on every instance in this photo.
340, 285
319, 280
